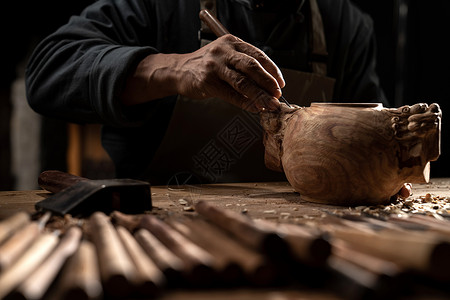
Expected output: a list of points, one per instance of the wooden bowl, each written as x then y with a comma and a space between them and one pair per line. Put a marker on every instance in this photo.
352, 153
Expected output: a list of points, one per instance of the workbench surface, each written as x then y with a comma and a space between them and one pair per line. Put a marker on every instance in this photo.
273, 201
268, 200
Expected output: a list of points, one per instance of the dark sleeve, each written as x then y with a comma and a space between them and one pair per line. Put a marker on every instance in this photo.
78, 72
352, 52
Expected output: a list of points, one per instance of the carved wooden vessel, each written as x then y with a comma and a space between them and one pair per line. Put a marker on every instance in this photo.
352, 154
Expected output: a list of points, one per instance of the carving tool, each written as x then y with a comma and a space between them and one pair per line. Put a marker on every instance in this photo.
219, 30
37, 284
11, 249
12, 224
245, 230
306, 246
229, 270
234, 256
118, 273
20, 240
150, 279
27, 263
80, 278
199, 265
285, 101
170, 264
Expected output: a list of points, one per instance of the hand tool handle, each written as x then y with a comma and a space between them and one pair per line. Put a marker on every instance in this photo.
170, 264
212, 23
232, 258
369, 262
408, 251
116, 267
130, 222
150, 278
37, 284
55, 181
200, 265
80, 279
12, 224
27, 263
306, 245
11, 249
245, 230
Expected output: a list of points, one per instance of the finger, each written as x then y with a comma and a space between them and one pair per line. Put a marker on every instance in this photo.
263, 59
247, 87
225, 92
253, 69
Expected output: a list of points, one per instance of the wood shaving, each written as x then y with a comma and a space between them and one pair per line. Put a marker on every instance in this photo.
428, 204
182, 202
188, 208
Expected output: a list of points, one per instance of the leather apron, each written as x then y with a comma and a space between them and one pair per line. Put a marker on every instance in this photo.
211, 141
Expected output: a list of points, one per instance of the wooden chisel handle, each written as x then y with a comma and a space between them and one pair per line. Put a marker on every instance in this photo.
12, 224
55, 181
27, 263
245, 230
199, 264
170, 264
117, 270
80, 279
212, 23
11, 250
150, 278
37, 284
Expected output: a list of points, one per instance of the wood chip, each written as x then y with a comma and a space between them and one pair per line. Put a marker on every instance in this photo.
188, 208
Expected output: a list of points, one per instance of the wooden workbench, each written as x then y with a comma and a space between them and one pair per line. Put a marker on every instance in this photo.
273, 201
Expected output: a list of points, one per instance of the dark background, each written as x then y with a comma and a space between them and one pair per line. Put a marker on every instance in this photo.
413, 61
414, 58
23, 23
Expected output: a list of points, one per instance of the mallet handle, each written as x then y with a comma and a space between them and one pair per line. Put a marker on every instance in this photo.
55, 181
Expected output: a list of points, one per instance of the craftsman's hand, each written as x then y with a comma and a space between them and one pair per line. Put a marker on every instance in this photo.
234, 71
227, 68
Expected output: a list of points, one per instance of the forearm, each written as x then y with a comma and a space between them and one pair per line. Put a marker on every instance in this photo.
153, 78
